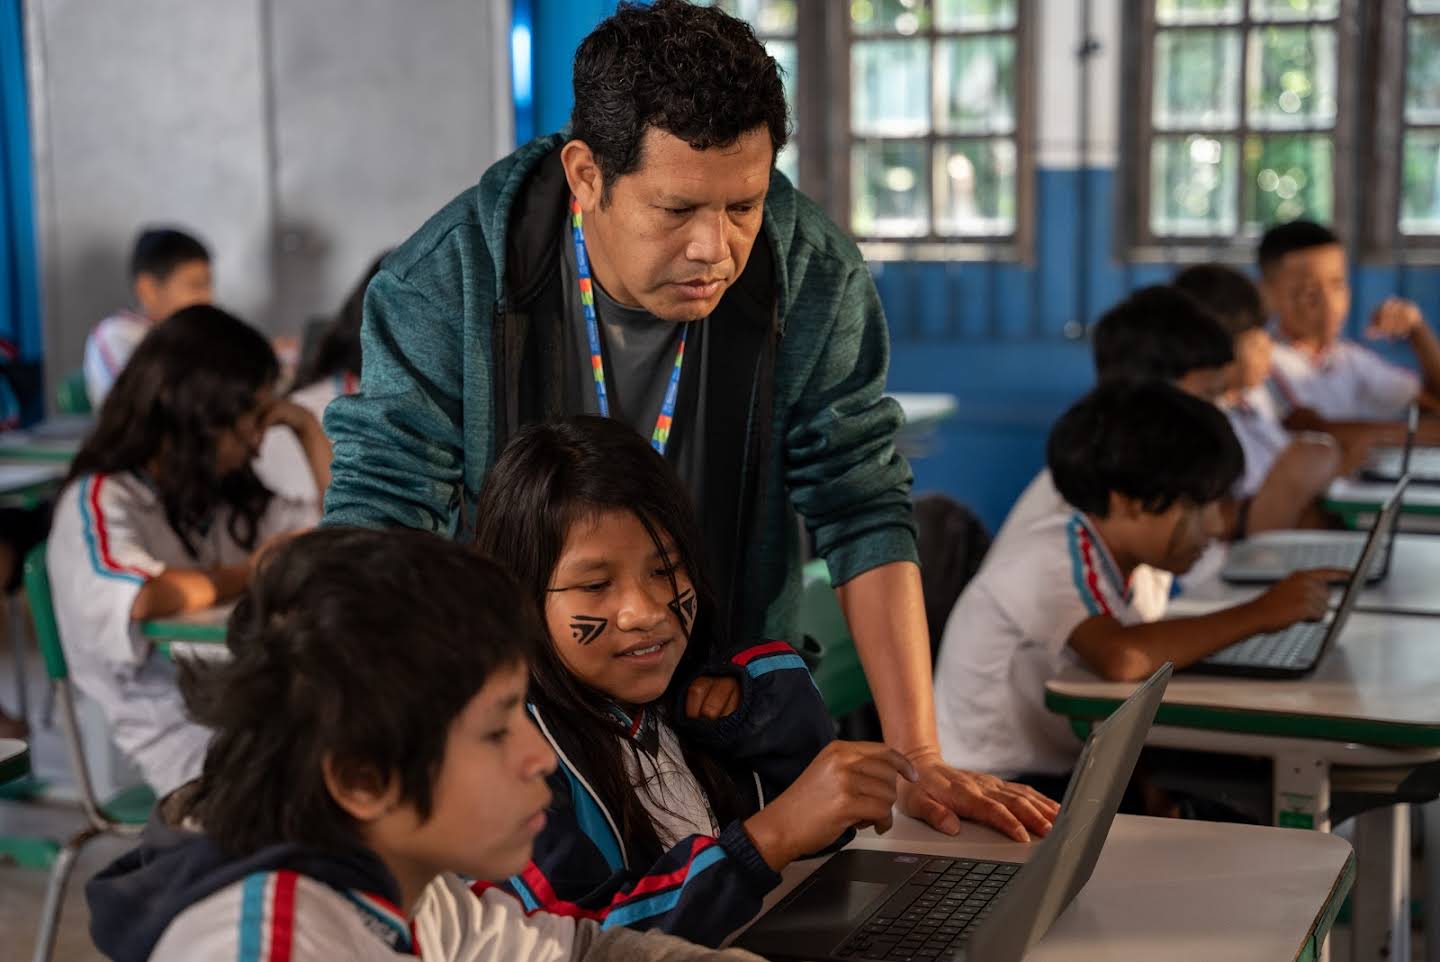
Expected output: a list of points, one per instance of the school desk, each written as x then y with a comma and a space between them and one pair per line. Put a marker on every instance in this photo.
19, 481
1411, 588
1356, 502
197, 633
53, 441
14, 759
923, 414
1182, 891
1367, 715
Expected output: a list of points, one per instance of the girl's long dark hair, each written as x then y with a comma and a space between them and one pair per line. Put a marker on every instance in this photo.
338, 351
549, 477
192, 377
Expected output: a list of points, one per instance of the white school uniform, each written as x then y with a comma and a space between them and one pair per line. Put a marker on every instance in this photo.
1008, 635
1256, 423
1348, 383
281, 463
1150, 588
110, 536
108, 349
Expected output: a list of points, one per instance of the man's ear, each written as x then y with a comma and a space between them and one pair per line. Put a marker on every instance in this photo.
583, 174
361, 791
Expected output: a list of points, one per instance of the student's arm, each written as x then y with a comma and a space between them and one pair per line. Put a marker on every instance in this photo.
702, 889
177, 590
310, 434
398, 444
1119, 652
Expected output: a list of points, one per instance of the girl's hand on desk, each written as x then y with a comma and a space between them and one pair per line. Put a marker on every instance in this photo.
712, 698
941, 793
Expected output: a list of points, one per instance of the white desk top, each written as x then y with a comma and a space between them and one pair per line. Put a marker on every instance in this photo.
1352, 491
925, 410
1163, 889
1412, 587
1376, 685
19, 477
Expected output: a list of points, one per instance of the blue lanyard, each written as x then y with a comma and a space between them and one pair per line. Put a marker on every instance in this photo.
660, 437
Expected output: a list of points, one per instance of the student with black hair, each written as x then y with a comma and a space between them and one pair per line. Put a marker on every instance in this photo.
650, 264
162, 513
1141, 466
692, 770
351, 778
1156, 332
169, 270
1285, 474
1325, 380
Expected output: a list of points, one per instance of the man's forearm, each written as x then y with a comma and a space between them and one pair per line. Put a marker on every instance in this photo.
885, 610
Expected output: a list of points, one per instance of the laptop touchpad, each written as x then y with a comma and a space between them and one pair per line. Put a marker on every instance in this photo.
830, 904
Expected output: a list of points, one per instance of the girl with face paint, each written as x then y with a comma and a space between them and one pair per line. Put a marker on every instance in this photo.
692, 769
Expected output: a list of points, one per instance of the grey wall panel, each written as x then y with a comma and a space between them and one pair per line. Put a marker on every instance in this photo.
298, 137
383, 112
152, 112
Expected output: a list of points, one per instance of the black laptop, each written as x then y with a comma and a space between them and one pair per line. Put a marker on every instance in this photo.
873, 905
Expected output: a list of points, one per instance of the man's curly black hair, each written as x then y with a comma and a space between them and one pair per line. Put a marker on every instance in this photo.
694, 72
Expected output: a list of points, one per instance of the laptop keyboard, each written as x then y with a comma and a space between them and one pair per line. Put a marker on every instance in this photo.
934, 912
1296, 647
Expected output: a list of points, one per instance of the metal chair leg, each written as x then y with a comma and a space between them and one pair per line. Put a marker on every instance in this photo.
55, 894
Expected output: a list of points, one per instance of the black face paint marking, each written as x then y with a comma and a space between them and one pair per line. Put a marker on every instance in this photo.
684, 607
586, 628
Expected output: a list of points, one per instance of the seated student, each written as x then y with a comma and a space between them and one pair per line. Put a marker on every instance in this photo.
370, 743
162, 514
1323, 380
1285, 474
690, 773
330, 369
1140, 465
169, 269
1156, 332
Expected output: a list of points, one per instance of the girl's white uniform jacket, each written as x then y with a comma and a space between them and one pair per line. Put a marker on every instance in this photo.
108, 538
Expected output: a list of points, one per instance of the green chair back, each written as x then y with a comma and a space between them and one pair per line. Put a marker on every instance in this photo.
827, 644
70, 394
42, 609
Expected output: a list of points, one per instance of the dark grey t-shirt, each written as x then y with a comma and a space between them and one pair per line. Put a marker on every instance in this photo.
639, 350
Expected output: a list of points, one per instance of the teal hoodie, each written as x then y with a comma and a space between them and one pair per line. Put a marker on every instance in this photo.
415, 445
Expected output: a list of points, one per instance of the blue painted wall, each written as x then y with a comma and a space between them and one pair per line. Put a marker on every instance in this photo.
991, 333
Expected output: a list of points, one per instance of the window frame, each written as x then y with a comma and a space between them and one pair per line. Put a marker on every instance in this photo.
1388, 47
1139, 242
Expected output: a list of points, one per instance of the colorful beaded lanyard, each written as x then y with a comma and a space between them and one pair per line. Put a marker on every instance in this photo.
660, 438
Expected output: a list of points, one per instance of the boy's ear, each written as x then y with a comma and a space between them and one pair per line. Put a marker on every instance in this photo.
361, 791
1125, 508
147, 290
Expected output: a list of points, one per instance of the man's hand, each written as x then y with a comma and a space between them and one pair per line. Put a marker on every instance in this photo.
942, 795
1394, 319
712, 698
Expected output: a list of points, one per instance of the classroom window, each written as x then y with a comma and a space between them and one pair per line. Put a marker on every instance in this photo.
911, 117
1240, 116
1419, 194
935, 116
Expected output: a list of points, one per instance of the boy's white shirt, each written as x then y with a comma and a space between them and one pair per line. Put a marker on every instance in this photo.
1349, 383
1008, 635
1262, 436
1150, 588
450, 924
109, 536
282, 463
108, 349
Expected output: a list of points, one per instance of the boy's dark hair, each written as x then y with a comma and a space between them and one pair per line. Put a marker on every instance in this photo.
694, 72
159, 250
1296, 235
357, 644
550, 477
192, 377
1226, 293
338, 351
1159, 332
1147, 440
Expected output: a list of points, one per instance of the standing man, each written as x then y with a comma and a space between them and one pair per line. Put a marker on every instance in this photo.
653, 267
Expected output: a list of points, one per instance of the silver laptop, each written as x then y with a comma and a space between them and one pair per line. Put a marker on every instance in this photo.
1389, 463
872, 905
1273, 555
1295, 651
